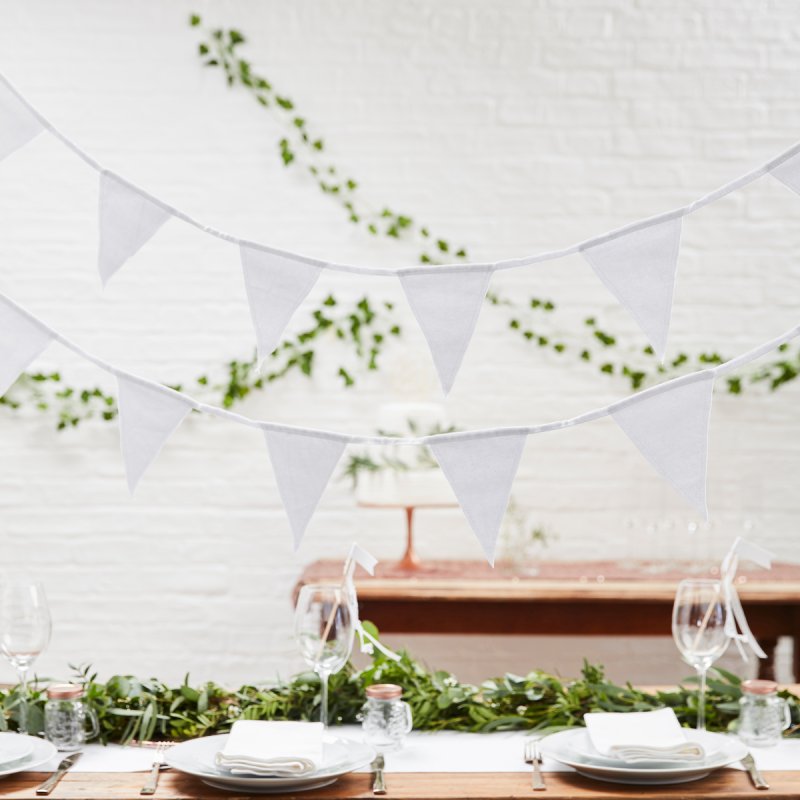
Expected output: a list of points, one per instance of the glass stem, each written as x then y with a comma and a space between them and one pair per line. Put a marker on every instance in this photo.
22, 672
701, 699
323, 705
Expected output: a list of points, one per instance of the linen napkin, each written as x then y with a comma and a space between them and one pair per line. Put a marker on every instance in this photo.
272, 749
637, 736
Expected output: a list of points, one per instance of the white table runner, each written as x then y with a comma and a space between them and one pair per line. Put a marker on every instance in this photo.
442, 751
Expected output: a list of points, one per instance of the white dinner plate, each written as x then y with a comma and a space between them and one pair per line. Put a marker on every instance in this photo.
196, 757
581, 745
39, 751
559, 747
13, 748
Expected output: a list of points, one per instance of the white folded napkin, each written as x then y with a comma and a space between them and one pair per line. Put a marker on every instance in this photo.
636, 736
272, 749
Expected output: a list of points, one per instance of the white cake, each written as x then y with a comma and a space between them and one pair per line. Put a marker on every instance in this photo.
422, 483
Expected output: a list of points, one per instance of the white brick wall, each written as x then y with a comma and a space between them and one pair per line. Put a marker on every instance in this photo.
509, 127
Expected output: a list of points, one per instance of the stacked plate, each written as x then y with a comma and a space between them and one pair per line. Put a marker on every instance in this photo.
197, 757
575, 749
19, 752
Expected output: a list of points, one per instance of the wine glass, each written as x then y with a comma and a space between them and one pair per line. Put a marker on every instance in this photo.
24, 631
324, 632
698, 628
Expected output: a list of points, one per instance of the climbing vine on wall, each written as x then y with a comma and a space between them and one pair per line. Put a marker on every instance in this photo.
364, 325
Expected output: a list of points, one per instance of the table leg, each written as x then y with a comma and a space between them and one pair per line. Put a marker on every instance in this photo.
766, 666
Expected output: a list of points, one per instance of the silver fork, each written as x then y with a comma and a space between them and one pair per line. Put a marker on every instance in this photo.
534, 758
749, 763
158, 763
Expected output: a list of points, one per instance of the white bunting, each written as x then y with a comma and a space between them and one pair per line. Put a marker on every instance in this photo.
21, 340
275, 287
639, 268
480, 470
670, 429
18, 124
148, 416
128, 219
446, 304
303, 464
788, 173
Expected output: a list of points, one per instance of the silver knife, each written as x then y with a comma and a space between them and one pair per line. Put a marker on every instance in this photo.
748, 762
378, 784
62, 770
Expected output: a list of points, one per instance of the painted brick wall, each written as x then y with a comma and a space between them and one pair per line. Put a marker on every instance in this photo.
511, 128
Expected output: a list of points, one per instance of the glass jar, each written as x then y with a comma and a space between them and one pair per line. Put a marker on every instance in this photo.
763, 716
385, 718
68, 721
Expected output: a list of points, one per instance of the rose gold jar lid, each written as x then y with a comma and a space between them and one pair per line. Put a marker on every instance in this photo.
64, 691
384, 691
759, 687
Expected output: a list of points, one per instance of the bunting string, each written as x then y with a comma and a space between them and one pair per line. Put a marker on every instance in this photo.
636, 262
768, 167
667, 423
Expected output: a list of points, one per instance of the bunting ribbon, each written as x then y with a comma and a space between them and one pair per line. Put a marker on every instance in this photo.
667, 423
736, 626
358, 556
637, 263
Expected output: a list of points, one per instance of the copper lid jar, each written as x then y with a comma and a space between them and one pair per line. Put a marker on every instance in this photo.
385, 718
68, 721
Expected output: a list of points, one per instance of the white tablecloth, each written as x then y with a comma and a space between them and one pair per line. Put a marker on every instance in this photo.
443, 751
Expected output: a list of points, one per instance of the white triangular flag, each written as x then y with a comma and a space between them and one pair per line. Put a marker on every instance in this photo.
361, 557
21, 340
275, 287
148, 416
18, 124
480, 470
639, 268
446, 304
670, 428
128, 219
788, 173
303, 464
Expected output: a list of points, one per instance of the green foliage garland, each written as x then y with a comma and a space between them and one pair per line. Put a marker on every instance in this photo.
130, 709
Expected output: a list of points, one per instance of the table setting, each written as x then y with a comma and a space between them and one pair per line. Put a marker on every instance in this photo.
391, 727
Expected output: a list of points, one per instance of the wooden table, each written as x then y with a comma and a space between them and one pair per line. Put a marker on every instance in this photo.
591, 598
722, 785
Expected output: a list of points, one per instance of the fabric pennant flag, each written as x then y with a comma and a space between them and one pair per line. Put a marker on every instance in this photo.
788, 173
18, 124
446, 305
21, 340
670, 429
275, 285
639, 269
128, 220
303, 464
147, 418
480, 470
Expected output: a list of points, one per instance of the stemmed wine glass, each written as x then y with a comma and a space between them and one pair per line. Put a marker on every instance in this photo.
698, 628
324, 631
24, 631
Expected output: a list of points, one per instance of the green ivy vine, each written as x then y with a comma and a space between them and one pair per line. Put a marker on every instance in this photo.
129, 708
365, 326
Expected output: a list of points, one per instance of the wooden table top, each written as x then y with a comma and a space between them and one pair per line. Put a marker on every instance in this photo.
584, 580
725, 783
